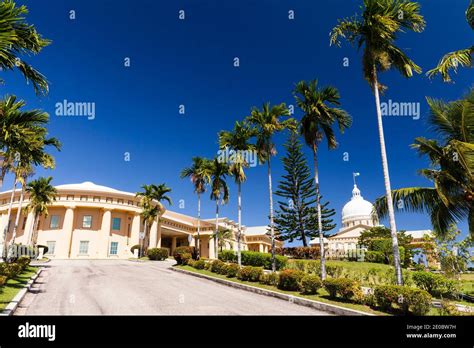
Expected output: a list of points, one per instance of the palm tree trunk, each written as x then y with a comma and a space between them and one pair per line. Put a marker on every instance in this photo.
198, 242
272, 228
142, 241
5, 229
318, 205
239, 232
35, 230
388, 190
3, 172
17, 219
31, 234
216, 238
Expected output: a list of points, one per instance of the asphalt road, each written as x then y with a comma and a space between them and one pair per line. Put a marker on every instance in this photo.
113, 287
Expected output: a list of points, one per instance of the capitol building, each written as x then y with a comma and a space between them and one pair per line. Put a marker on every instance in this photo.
358, 215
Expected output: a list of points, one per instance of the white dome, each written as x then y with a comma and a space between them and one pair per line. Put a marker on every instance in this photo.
357, 208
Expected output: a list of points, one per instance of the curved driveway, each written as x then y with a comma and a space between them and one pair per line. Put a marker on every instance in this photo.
94, 287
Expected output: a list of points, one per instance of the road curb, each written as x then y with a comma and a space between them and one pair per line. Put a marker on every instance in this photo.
337, 310
13, 305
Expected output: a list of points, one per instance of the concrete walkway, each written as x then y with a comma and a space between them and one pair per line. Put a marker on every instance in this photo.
115, 287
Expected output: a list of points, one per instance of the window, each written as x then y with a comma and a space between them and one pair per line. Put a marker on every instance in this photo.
54, 223
87, 221
70, 197
130, 203
113, 248
108, 200
83, 247
120, 201
116, 224
83, 198
96, 199
51, 247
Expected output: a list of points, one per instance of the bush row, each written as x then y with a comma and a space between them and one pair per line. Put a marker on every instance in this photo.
254, 258
396, 298
389, 298
307, 253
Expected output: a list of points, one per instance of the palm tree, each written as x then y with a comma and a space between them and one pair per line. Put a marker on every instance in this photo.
42, 194
237, 141
452, 168
152, 208
18, 128
219, 192
29, 157
222, 236
20, 38
376, 30
267, 122
320, 114
451, 60
200, 177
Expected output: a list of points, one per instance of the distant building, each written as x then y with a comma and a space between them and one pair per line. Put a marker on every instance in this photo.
358, 216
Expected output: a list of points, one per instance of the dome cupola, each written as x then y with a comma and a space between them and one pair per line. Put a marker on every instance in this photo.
357, 210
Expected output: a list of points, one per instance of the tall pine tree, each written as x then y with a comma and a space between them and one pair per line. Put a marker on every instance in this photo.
296, 217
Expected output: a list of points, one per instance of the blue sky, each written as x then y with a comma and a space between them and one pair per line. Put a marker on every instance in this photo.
190, 62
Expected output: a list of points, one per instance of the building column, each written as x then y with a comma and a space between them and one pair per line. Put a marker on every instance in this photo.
158, 237
260, 247
68, 228
153, 234
134, 233
212, 254
173, 245
28, 227
103, 251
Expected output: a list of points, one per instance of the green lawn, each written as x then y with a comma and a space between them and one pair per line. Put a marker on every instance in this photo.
322, 296
13, 286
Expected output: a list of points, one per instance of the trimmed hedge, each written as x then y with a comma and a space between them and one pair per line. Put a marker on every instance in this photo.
216, 266
179, 251
348, 289
10, 270
310, 284
254, 258
270, 278
289, 279
231, 270
250, 273
199, 264
158, 254
402, 298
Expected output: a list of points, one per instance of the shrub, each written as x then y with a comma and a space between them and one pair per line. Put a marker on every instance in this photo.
191, 263
307, 253
227, 256
334, 271
310, 284
185, 258
216, 266
346, 288
3, 280
403, 298
179, 251
270, 278
257, 259
435, 284
199, 264
289, 279
232, 270
10, 270
159, 254
374, 256
250, 273
23, 261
